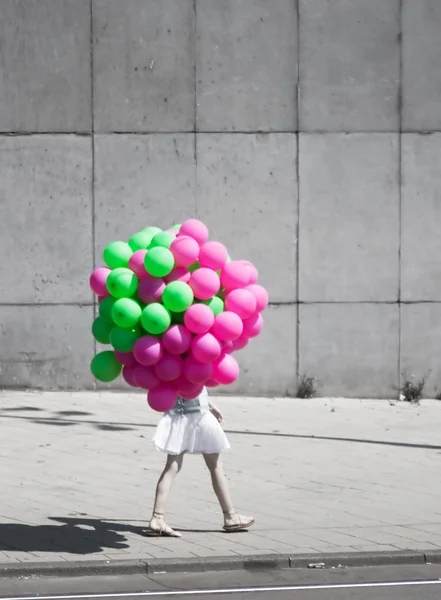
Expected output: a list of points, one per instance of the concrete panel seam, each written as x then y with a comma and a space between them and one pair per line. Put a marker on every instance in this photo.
24, 133
37, 304
283, 303
9, 134
195, 119
297, 166
195, 87
92, 104
399, 175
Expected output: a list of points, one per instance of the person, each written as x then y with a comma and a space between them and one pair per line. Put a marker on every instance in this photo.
193, 427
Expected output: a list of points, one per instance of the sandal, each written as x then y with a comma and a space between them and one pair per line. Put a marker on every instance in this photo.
236, 522
159, 527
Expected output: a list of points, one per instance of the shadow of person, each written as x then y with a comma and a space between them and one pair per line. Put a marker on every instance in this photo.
100, 525
71, 537
125, 526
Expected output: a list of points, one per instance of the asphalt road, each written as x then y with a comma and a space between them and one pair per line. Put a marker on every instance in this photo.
391, 583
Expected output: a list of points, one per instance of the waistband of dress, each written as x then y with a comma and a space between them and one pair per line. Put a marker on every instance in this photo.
187, 407
184, 410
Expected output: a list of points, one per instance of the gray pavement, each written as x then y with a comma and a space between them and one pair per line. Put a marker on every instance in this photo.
78, 472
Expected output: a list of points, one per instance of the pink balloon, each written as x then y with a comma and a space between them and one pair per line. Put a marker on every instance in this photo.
241, 342
242, 302
194, 229
177, 339
136, 263
185, 250
178, 274
213, 255
128, 374
169, 367
150, 289
211, 383
225, 369
227, 326
125, 358
199, 318
173, 232
260, 294
228, 347
206, 348
205, 283
98, 281
147, 350
145, 377
195, 371
192, 393
183, 385
252, 271
162, 398
234, 275
253, 326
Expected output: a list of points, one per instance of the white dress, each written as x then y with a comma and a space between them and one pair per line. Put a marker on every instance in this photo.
190, 427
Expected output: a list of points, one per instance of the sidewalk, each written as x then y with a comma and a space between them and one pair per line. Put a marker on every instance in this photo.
77, 477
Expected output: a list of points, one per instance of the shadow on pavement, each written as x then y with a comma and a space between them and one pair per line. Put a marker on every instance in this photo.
71, 535
60, 421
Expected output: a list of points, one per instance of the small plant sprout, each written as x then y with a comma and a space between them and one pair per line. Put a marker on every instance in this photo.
412, 390
306, 387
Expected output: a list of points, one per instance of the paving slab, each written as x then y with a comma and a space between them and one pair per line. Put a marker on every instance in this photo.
327, 476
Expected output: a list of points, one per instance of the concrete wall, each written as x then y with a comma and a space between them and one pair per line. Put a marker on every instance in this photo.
273, 122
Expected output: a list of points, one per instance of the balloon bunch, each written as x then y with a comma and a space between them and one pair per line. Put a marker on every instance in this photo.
174, 306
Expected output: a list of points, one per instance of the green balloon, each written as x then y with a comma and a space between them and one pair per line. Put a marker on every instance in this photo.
140, 240
216, 304
101, 330
126, 313
117, 254
124, 339
159, 262
194, 266
177, 296
163, 239
122, 283
105, 367
152, 230
155, 318
176, 227
105, 308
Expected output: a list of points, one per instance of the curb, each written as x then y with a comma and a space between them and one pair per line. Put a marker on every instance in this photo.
199, 565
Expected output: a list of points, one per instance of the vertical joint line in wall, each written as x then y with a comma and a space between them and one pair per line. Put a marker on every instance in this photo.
92, 117
92, 137
298, 257
195, 31
297, 163
297, 85
400, 175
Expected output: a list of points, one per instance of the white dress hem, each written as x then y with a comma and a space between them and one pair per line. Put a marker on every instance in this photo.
192, 433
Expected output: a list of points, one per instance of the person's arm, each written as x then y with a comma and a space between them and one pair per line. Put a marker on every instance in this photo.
215, 411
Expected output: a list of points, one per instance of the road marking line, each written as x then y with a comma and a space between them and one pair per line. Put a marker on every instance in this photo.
244, 590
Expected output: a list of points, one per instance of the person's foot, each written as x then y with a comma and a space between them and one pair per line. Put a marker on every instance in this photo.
236, 522
159, 526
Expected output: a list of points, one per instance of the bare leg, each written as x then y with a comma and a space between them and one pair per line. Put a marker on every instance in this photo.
233, 521
165, 482
219, 481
